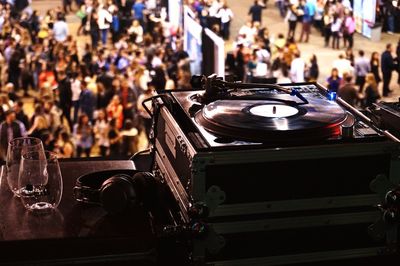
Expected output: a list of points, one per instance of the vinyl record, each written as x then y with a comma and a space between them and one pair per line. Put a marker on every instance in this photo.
272, 120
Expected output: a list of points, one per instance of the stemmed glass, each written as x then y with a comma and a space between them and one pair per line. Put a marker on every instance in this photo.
40, 182
16, 148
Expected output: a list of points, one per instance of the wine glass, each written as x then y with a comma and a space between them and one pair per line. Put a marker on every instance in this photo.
40, 182
16, 148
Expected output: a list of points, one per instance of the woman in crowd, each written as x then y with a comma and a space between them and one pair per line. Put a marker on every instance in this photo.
334, 80
371, 90
101, 129
83, 135
375, 66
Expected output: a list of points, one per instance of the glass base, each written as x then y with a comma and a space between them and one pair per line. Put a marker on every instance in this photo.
40, 207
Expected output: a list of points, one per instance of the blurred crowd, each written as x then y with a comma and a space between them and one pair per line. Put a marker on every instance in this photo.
85, 100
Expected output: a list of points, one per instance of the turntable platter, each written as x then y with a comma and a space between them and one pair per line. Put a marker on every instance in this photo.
270, 120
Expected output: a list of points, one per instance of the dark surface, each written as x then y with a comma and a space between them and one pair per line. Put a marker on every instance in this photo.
76, 232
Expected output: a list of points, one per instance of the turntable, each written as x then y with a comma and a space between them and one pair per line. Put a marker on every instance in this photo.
274, 166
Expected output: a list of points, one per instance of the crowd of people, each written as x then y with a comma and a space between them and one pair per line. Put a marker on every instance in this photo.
260, 57
86, 100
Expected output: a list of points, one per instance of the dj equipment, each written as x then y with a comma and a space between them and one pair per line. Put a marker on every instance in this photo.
387, 115
114, 190
275, 174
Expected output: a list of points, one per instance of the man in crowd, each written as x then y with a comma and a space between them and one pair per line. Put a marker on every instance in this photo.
362, 67
256, 11
348, 91
387, 66
10, 128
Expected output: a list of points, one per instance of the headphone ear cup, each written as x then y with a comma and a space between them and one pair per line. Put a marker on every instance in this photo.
117, 193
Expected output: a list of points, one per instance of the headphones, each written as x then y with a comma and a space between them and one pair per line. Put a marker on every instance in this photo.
115, 190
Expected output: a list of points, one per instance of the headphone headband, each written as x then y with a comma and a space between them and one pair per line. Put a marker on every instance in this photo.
87, 187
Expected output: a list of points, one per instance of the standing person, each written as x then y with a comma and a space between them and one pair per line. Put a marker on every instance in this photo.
101, 129
86, 101
256, 11
83, 134
297, 68
349, 29
371, 90
327, 19
10, 128
60, 28
94, 29
138, 12
398, 59
114, 139
313, 69
76, 92
226, 15
309, 12
348, 91
291, 18
240, 63
281, 7
104, 20
334, 80
387, 66
362, 67
335, 31
375, 66
65, 97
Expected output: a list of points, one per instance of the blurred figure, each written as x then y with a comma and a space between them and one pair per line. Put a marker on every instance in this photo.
130, 140
297, 68
226, 15
101, 129
375, 66
371, 90
349, 92
83, 135
255, 11
387, 66
10, 128
361, 68
313, 69
333, 82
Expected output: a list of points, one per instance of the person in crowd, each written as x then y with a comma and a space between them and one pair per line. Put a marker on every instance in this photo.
65, 146
114, 139
129, 139
361, 68
327, 20
115, 111
65, 96
313, 69
371, 90
10, 128
86, 99
398, 59
20, 114
291, 18
308, 17
336, 31
104, 20
60, 29
387, 67
297, 68
226, 15
349, 28
101, 129
343, 65
255, 11
375, 66
76, 92
83, 135
334, 81
349, 92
